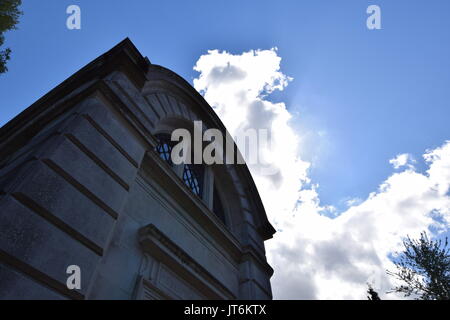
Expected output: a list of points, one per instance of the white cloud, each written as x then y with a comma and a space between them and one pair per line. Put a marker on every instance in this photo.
402, 160
353, 201
314, 256
240, 102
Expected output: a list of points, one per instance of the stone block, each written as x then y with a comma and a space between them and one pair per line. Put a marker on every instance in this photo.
89, 174
61, 199
33, 240
16, 286
97, 144
104, 118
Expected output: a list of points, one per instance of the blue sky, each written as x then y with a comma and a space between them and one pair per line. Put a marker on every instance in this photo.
375, 93
359, 97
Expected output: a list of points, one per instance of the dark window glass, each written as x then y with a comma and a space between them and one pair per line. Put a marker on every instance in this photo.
192, 174
217, 206
193, 178
164, 147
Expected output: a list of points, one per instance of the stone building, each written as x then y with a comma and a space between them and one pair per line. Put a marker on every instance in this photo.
85, 181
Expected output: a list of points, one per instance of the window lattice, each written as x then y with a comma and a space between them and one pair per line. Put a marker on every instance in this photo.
193, 178
164, 148
192, 174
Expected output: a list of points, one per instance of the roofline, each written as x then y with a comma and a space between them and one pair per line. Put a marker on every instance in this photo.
125, 46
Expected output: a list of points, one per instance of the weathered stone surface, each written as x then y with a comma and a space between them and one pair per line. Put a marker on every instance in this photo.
251, 271
34, 241
88, 173
133, 98
162, 98
96, 143
122, 90
64, 201
96, 110
251, 291
156, 105
175, 286
251, 237
16, 286
106, 290
120, 266
146, 209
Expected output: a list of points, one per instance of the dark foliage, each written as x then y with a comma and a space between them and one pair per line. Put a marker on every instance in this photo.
9, 17
373, 295
424, 269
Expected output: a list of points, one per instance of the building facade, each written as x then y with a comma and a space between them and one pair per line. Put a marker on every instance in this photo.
86, 180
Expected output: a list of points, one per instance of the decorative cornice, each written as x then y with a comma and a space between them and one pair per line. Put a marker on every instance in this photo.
202, 214
157, 244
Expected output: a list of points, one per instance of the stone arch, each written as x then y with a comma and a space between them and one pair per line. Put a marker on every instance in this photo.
171, 112
163, 105
170, 96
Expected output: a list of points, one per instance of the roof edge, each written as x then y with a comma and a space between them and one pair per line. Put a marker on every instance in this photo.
125, 46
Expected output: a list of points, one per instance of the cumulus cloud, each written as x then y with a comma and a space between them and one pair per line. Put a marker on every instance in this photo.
315, 256
402, 160
241, 103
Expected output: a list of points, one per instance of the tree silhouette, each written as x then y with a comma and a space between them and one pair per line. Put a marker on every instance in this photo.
9, 17
424, 269
373, 295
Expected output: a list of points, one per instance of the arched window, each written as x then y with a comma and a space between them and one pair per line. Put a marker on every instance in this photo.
192, 174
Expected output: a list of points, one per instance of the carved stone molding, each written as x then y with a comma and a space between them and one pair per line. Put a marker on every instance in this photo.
156, 244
